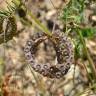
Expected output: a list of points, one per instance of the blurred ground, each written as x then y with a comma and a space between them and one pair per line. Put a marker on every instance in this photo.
18, 80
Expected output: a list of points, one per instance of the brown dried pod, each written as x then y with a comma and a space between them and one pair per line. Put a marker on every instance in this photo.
1, 25
64, 51
9, 31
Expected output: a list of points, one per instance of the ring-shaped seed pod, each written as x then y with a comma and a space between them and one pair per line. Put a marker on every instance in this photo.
64, 52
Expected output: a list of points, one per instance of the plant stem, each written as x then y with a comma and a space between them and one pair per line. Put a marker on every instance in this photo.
91, 63
41, 26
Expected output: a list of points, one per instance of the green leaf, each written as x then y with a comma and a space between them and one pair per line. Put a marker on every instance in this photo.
88, 32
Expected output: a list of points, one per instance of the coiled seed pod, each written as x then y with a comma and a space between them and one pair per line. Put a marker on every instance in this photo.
64, 52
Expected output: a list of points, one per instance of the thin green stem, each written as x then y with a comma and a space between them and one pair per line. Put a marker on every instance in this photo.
40, 25
36, 79
91, 63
